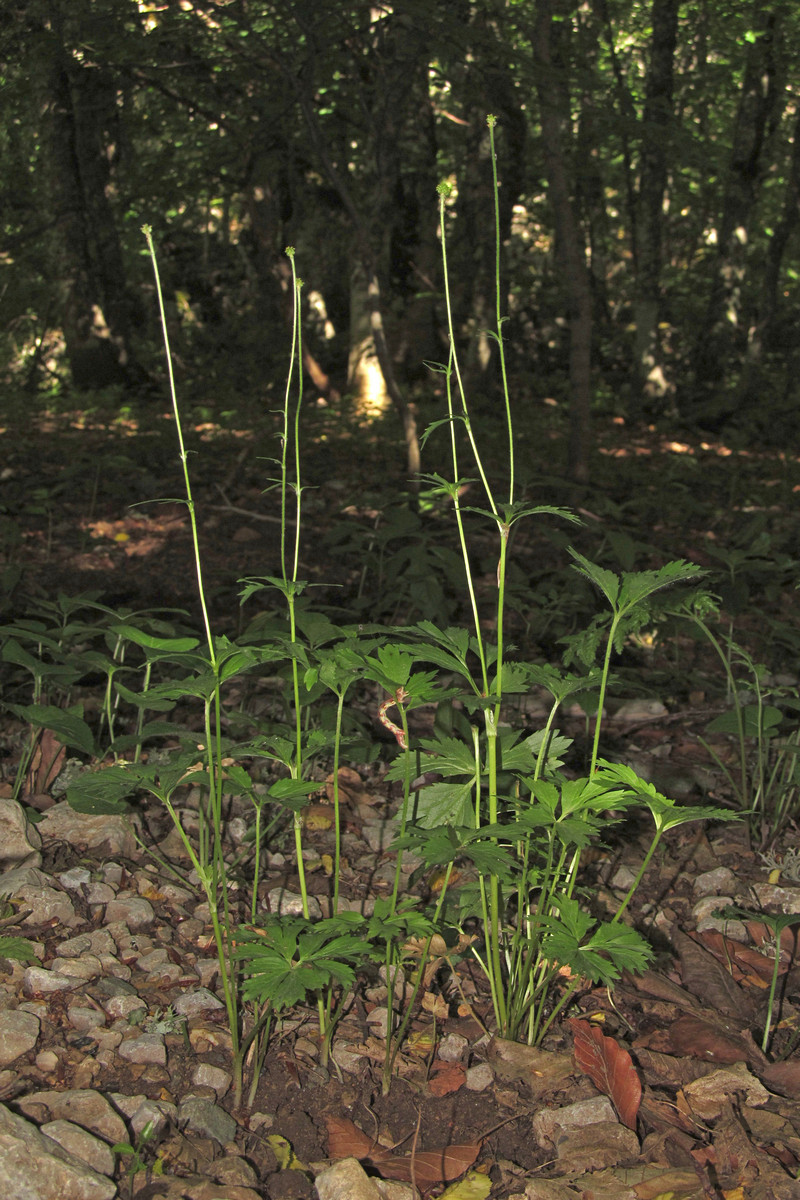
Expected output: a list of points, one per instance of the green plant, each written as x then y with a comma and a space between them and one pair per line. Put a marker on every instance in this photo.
478, 795
765, 781
775, 923
139, 1154
521, 824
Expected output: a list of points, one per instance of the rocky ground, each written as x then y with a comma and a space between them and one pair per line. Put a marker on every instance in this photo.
116, 1075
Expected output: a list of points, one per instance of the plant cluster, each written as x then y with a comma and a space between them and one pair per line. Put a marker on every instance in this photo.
479, 797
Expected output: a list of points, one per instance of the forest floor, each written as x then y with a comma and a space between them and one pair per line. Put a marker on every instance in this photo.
137, 1024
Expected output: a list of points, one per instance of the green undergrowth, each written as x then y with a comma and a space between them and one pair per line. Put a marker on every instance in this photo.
159, 709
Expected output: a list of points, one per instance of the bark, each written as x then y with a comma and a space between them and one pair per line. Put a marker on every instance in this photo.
765, 335
569, 240
627, 122
367, 261
97, 312
268, 202
721, 329
656, 123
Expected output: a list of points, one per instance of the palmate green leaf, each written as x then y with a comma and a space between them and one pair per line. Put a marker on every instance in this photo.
558, 684
384, 927
557, 747
445, 660
444, 755
638, 585
292, 793
515, 512
19, 949
454, 638
626, 947
292, 958
606, 581
515, 755
436, 846
666, 813
391, 668
447, 844
444, 804
602, 955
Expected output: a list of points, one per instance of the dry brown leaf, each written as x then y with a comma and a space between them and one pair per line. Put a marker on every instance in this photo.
351, 787
691, 1035
47, 760
433, 1167
747, 964
346, 1140
782, 1077
436, 1005
710, 981
610, 1068
430, 1167
449, 1078
541, 1069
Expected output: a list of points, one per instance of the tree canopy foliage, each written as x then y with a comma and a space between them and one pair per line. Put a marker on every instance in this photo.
649, 160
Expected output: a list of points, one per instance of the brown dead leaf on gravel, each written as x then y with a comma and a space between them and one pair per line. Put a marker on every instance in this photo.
428, 1168
691, 1035
610, 1069
709, 981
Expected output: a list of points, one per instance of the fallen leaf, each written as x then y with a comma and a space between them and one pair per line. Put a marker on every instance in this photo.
436, 1005
747, 965
691, 1035
428, 1168
783, 1077
449, 1078
351, 786
541, 1069
346, 1140
47, 761
710, 981
610, 1069
284, 1153
432, 1167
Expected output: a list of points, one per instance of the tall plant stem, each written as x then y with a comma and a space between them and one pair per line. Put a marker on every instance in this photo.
213, 871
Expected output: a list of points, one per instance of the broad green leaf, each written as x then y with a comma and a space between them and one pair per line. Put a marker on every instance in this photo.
104, 791
68, 726
148, 699
19, 949
172, 645
444, 804
727, 722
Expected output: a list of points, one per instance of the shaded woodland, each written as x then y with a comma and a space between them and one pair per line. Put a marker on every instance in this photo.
468, 716
649, 172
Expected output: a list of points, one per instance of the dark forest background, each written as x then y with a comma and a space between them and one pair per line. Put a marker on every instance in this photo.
649, 163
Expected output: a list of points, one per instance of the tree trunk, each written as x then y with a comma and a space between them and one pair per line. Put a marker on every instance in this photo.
366, 258
569, 241
97, 311
765, 332
656, 121
270, 264
718, 337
